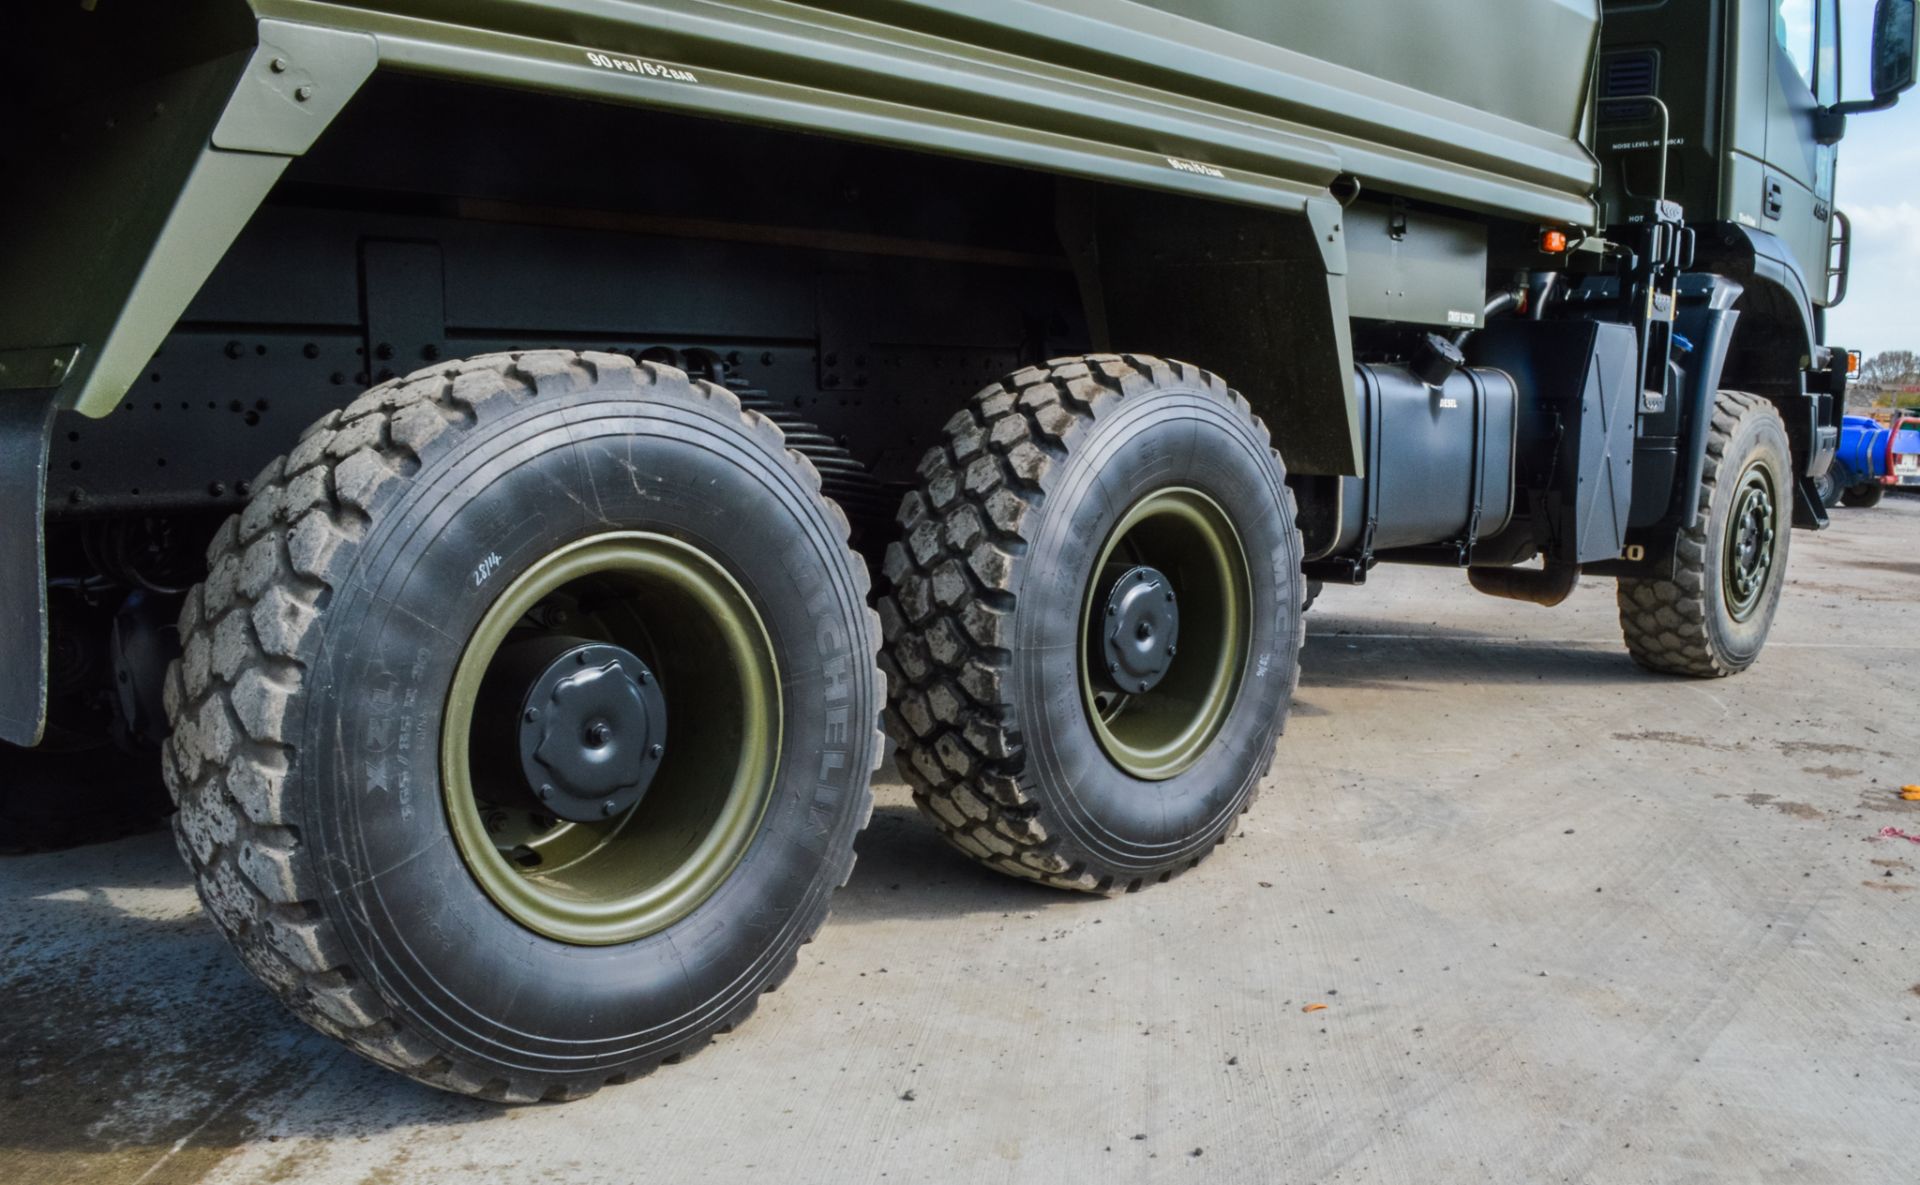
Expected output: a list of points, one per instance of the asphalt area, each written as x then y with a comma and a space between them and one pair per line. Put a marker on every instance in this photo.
1568, 922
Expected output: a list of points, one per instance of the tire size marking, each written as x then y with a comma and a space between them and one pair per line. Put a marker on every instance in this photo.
486, 568
640, 66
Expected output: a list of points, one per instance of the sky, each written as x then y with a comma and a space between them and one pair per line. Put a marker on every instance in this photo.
1877, 184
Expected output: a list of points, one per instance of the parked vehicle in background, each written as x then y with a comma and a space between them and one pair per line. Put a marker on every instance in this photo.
506, 458
1872, 458
1905, 448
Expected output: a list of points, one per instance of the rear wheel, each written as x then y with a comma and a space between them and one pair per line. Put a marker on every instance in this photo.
1094, 621
1712, 618
1865, 495
524, 723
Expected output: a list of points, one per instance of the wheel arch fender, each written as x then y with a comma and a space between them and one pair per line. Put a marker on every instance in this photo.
1257, 294
1773, 347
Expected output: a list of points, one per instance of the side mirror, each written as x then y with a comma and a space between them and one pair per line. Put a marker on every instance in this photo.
1896, 56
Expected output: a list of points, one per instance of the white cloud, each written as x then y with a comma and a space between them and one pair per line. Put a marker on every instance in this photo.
1882, 310
1879, 188
1890, 228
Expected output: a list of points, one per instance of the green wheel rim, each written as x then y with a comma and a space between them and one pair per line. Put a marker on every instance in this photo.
1187, 536
637, 873
1747, 565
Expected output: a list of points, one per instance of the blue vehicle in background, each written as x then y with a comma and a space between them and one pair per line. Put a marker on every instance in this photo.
1873, 457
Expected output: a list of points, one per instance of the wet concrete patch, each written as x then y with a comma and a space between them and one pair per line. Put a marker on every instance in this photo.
1799, 810
137, 1047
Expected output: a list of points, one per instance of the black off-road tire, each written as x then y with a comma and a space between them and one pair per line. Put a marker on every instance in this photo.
1683, 626
338, 885
1864, 496
982, 605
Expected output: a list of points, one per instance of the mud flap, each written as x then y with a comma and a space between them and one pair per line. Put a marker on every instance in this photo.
26, 423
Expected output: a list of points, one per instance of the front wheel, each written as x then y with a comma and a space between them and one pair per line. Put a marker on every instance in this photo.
1094, 621
524, 722
1712, 617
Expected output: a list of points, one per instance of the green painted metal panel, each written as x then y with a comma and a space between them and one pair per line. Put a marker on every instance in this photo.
1099, 88
140, 192
1237, 105
1440, 50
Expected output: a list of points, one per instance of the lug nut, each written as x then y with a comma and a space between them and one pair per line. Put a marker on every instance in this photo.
606, 808
656, 751
546, 792
532, 715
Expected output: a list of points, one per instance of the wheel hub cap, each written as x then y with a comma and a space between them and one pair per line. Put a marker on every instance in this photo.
1750, 544
1165, 629
569, 803
1142, 630
592, 730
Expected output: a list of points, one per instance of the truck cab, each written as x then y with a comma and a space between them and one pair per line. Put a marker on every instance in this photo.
1750, 110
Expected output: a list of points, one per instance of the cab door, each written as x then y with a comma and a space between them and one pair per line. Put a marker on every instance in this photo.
1796, 202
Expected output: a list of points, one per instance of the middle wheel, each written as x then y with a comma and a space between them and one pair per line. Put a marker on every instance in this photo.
1094, 621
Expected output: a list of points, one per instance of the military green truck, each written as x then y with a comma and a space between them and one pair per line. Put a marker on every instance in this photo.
507, 458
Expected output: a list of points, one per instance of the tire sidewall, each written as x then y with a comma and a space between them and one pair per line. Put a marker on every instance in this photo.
524, 482
1758, 439
1170, 436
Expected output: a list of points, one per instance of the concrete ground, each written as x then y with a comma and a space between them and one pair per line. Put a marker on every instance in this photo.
1570, 922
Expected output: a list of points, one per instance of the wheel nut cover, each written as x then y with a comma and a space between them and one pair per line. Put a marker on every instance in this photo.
1141, 630
592, 732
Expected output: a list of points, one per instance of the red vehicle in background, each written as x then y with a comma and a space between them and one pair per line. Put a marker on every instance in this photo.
1903, 451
